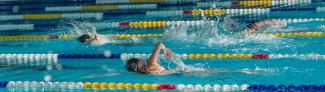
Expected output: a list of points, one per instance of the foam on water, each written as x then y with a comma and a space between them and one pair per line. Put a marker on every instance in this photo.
180, 66
80, 28
222, 33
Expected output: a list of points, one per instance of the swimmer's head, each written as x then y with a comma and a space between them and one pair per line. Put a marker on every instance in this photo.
85, 38
137, 65
252, 26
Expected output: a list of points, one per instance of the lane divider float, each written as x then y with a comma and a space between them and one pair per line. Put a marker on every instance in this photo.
58, 2
143, 1
260, 2
54, 86
47, 59
96, 7
29, 59
118, 36
286, 20
290, 34
127, 36
51, 16
127, 56
142, 24
102, 7
165, 13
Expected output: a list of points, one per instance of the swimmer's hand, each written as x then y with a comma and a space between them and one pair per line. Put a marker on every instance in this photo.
167, 52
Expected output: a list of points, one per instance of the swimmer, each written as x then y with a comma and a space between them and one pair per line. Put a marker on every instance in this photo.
153, 67
89, 40
98, 39
256, 25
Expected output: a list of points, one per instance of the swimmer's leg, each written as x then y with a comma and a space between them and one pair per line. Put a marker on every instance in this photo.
100, 75
246, 71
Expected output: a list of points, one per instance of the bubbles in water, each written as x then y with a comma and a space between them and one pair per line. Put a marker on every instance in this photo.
58, 67
99, 16
49, 67
15, 9
286, 68
105, 67
107, 53
47, 78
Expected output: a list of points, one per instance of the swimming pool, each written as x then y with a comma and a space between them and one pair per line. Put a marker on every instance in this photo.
39, 51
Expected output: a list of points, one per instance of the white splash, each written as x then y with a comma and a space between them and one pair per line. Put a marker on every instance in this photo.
80, 28
181, 66
220, 33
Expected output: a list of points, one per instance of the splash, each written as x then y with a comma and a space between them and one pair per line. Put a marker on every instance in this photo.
201, 71
180, 66
285, 69
80, 28
220, 33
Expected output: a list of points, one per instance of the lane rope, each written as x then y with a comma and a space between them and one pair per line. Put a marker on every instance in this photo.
96, 7
48, 59
142, 24
127, 36
165, 13
127, 56
54, 86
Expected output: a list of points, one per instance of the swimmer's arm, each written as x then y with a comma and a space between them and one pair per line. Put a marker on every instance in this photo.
272, 23
243, 71
153, 60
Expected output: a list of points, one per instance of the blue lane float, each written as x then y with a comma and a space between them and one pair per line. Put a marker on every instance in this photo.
285, 88
164, 13
296, 9
88, 56
10, 10
3, 84
40, 2
130, 7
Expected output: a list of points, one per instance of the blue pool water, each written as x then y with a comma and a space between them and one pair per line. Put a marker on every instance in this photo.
209, 38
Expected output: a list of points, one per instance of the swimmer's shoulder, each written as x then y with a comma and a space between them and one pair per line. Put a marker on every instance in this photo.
166, 72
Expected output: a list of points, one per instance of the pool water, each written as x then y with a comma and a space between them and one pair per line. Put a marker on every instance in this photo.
204, 39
